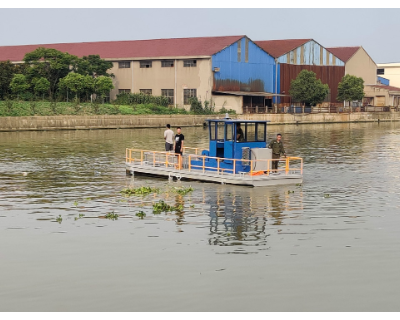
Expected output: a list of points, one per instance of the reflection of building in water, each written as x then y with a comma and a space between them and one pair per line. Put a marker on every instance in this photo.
241, 217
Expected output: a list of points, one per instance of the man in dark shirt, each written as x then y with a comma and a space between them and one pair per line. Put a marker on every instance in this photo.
179, 137
277, 149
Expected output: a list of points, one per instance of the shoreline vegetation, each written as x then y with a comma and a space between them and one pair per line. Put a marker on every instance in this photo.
14, 108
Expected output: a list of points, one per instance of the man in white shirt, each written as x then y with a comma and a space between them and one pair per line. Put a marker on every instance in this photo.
169, 139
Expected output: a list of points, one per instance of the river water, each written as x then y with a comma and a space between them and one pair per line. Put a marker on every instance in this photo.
331, 245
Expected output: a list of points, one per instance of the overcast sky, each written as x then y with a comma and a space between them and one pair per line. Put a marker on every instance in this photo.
375, 29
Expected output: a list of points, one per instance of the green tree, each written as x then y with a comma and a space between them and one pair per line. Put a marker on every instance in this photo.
40, 86
102, 86
94, 66
77, 83
351, 88
19, 84
50, 64
7, 72
307, 89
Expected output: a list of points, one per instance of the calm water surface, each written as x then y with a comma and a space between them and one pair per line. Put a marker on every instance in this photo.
231, 249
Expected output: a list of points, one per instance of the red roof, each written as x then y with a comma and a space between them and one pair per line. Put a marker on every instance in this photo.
277, 48
343, 53
184, 47
390, 88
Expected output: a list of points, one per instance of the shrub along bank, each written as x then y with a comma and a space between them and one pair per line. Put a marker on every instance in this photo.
43, 108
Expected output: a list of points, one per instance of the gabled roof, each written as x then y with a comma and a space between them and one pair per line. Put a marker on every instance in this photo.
176, 47
390, 88
344, 53
277, 48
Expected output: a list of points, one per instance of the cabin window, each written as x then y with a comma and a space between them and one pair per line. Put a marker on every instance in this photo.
261, 132
229, 132
124, 90
250, 132
212, 130
242, 128
380, 71
220, 131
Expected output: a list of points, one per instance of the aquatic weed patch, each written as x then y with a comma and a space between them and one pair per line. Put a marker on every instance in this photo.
182, 190
140, 214
111, 215
161, 206
139, 191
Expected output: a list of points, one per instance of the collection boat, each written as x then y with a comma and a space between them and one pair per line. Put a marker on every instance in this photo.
237, 154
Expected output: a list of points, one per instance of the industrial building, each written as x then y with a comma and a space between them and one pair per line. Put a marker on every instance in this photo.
226, 70
389, 72
294, 55
233, 72
357, 63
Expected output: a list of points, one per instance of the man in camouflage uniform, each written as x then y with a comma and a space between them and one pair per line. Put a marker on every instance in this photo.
277, 149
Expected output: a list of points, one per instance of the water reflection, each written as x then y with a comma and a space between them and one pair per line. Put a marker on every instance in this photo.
244, 216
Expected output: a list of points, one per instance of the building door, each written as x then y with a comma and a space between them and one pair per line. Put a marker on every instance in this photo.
380, 101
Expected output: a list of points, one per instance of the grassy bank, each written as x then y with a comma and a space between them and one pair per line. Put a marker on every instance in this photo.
44, 108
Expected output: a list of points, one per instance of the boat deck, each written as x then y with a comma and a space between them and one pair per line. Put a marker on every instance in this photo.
170, 165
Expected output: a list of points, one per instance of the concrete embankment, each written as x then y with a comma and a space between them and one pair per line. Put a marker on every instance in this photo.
156, 121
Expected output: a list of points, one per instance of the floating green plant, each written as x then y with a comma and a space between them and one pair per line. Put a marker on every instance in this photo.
140, 214
139, 191
111, 215
192, 206
327, 195
298, 184
183, 190
59, 219
76, 203
290, 191
161, 206
80, 216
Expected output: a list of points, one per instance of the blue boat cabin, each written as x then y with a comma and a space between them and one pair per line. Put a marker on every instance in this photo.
232, 139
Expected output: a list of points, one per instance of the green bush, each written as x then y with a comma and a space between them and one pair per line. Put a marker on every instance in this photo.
141, 98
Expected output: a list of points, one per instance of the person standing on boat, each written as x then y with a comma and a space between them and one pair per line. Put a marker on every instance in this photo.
239, 133
169, 138
277, 150
179, 137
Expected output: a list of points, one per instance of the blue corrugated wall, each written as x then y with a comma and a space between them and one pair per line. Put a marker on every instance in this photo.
258, 74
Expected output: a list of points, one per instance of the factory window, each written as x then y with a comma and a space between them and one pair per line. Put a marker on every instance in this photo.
187, 94
169, 93
145, 64
189, 63
239, 50
146, 91
167, 63
124, 64
380, 71
124, 90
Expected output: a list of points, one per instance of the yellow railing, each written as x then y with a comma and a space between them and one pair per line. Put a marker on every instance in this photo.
176, 161
188, 150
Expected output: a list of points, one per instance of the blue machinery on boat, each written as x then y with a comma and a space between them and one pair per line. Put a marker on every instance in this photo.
237, 154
